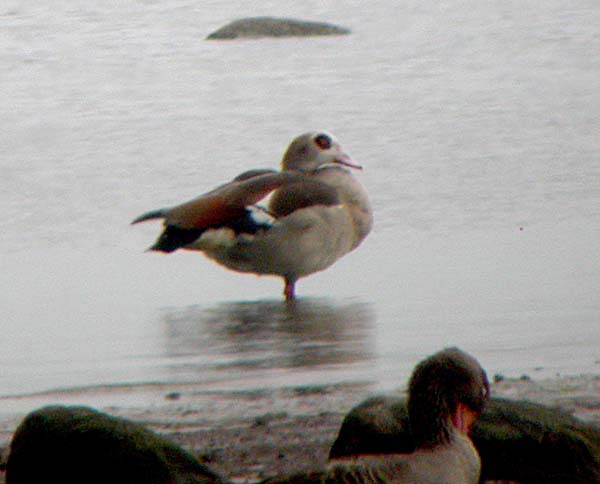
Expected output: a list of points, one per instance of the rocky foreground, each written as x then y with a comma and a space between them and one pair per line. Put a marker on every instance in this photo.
250, 436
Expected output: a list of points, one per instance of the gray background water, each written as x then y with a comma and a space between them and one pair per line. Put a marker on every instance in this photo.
478, 124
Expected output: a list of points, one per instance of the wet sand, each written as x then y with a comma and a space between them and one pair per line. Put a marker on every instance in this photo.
251, 435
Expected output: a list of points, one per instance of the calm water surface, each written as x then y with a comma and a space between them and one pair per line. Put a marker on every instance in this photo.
479, 128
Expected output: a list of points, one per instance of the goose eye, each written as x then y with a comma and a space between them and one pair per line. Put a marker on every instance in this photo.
323, 141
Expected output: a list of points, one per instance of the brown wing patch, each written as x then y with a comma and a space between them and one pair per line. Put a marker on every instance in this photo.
203, 212
227, 202
302, 194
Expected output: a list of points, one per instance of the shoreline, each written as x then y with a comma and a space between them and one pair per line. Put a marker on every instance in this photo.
248, 436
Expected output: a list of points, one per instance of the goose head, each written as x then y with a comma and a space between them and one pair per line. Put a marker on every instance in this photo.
313, 150
447, 392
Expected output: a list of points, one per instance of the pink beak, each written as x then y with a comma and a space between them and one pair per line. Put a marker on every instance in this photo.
347, 161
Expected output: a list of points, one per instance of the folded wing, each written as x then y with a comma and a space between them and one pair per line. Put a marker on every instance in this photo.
225, 206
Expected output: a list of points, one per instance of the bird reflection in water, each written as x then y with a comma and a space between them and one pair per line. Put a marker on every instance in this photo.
267, 335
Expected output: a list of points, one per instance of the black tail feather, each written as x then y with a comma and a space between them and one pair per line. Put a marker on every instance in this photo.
174, 238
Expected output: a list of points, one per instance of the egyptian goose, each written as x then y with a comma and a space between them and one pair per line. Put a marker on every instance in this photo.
447, 392
317, 213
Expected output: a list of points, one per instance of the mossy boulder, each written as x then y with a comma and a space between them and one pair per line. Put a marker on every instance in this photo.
79, 444
257, 27
517, 440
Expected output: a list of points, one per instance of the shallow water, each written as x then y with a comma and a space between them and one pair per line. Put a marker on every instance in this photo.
479, 131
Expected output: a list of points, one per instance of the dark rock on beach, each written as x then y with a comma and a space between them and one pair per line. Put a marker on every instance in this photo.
379, 425
79, 444
257, 27
517, 440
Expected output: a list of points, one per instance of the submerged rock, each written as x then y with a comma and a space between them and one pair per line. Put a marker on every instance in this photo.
518, 441
80, 444
257, 27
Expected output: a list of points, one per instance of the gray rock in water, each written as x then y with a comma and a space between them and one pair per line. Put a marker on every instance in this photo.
81, 445
257, 27
518, 441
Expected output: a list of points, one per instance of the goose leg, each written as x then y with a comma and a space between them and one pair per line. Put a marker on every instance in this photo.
288, 290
